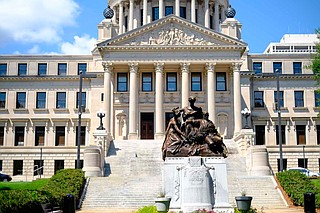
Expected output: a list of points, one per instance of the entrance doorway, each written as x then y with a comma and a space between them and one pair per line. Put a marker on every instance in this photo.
147, 125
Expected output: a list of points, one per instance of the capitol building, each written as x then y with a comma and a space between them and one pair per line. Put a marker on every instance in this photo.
150, 57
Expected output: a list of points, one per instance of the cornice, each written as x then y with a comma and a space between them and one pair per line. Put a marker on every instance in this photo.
47, 57
38, 78
284, 76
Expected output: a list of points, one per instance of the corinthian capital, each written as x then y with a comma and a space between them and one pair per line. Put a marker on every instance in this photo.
107, 66
184, 67
210, 67
236, 66
159, 66
133, 67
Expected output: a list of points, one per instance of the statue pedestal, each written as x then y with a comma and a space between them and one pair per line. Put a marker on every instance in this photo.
197, 183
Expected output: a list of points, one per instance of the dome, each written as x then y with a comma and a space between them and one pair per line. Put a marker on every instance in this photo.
108, 13
230, 12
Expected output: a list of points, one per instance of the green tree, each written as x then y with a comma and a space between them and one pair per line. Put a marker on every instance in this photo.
315, 63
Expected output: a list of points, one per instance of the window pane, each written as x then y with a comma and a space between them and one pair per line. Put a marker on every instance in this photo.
22, 69
277, 66
3, 69
183, 12
61, 100
60, 136
155, 13
122, 82
42, 69
171, 81
168, 10
146, 81
21, 100
260, 135
39, 135
257, 67
195, 81
221, 81
1, 136
298, 99
82, 136
283, 134
258, 99
297, 67
301, 134
17, 167
82, 67
3, 100
83, 101
19, 136
281, 98
62, 69
41, 100
38, 167
318, 134
317, 99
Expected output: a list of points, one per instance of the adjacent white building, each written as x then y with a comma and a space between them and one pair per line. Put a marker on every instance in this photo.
150, 57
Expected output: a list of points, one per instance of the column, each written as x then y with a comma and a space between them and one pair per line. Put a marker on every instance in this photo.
121, 17
177, 8
159, 101
216, 16
193, 11
130, 27
107, 66
211, 84
185, 84
237, 97
114, 18
161, 9
133, 98
145, 11
206, 14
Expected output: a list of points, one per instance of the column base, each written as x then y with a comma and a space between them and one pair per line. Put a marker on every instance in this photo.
133, 136
159, 136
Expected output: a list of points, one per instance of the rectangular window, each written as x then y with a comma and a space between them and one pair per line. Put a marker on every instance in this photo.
83, 101
39, 135
81, 164
21, 100
38, 167
82, 67
61, 100
196, 15
22, 69
102, 97
19, 136
316, 99
168, 10
171, 82
196, 81
3, 97
301, 134
297, 67
155, 13
283, 134
146, 82
277, 66
1, 135
17, 167
3, 69
260, 135
221, 81
122, 82
284, 164
276, 99
60, 136
42, 69
258, 99
183, 12
126, 23
298, 99
257, 67
318, 134
82, 136
62, 68
303, 162
58, 165
141, 17
41, 100
1, 165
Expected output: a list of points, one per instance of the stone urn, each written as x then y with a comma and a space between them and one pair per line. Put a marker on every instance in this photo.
243, 202
162, 204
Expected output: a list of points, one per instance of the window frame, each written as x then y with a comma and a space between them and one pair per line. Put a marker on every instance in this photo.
62, 70
59, 135
3, 69
260, 134
145, 84
3, 100
279, 68
283, 134
40, 131
84, 100
281, 98
297, 70
22, 69
169, 82
298, 101
1, 136
61, 102
39, 164
258, 99
223, 81
195, 82
42, 69
155, 13
167, 10
20, 101
41, 102
84, 71
301, 131
121, 83
82, 136
257, 70
316, 99
19, 133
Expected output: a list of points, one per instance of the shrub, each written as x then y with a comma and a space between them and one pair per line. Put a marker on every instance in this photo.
296, 185
147, 209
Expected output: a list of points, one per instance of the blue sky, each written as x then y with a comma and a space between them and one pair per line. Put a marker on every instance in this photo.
70, 26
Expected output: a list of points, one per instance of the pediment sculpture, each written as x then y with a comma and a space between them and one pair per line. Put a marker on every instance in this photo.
191, 133
173, 36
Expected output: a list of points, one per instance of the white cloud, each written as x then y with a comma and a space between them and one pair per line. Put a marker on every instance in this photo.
36, 20
81, 45
34, 50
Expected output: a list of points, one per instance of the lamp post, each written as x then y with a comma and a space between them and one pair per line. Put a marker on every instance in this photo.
80, 110
246, 113
101, 114
279, 122
304, 157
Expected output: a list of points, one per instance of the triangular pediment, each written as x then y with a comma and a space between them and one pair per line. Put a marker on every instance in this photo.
172, 31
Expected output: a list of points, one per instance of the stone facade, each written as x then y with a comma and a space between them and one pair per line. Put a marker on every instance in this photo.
145, 68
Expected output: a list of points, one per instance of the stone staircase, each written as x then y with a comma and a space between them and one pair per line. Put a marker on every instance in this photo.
263, 189
133, 177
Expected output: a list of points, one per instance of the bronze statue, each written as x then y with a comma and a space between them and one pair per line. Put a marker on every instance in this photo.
194, 135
